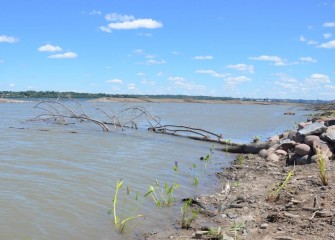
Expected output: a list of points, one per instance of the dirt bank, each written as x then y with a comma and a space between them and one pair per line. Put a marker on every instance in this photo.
303, 210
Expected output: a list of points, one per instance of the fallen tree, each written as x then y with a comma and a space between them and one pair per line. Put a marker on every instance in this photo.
58, 112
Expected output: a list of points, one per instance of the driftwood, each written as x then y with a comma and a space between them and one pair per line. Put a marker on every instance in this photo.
247, 148
57, 112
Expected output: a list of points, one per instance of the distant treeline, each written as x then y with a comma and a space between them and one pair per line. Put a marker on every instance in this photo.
54, 94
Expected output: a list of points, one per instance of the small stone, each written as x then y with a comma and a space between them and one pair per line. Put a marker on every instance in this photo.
263, 153
264, 226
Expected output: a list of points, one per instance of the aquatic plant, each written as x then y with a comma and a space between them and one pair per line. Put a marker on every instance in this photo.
120, 221
195, 178
277, 188
208, 157
321, 160
163, 195
188, 214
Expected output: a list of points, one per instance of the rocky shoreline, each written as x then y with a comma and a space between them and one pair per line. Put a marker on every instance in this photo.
275, 194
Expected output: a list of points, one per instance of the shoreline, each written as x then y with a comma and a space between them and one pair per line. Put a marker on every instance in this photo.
243, 207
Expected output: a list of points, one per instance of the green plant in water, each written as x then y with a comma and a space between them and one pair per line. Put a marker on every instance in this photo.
321, 160
208, 157
163, 196
188, 214
120, 222
193, 168
277, 188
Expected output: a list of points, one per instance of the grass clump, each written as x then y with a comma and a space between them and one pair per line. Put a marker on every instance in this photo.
208, 157
240, 159
195, 178
277, 188
121, 221
188, 214
163, 195
321, 161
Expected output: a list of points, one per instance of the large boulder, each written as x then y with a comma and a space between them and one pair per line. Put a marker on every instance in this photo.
302, 149
312, 140
273, 158
329, 135
316, 128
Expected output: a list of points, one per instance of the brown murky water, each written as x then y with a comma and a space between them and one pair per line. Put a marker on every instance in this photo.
60, 185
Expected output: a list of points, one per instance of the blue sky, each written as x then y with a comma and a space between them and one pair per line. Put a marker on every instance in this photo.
233, 48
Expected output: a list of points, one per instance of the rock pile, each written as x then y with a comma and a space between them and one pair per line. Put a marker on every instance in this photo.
302, 146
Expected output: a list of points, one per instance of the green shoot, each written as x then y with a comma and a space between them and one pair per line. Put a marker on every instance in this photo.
195, 178
235, 228
275, 191
120, 222
240, 159
163, 196
321, 160
188, 215
207, 158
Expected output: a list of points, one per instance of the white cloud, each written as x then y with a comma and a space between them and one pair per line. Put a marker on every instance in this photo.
175, 53
2, 61
308, 59
95, 12
155, 62
302, 38
132, 86
241, 67
312, 42
327, 35
277, 60
329, 24
318, 78
180, 82
330, 44
115, 80
135, 24
64, 55
12, 85
287, 82
203, 57
150, 56
141, 74
8, 39
115, 17
138, 51
212, 73
125, 22
49, 48
145, 34
105, 29
236, 80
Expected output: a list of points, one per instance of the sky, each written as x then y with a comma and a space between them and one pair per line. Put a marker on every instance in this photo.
227, 48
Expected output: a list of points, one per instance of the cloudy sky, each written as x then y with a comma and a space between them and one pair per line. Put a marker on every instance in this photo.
234, 48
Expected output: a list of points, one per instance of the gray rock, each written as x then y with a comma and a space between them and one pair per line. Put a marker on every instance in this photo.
303, 160
287, 145
316, 128
303, 125
263, 153
314, 158
292, 135
330, 122
273, 158
329, 135
302, 149
264, 226
281, 152
274, 139
312, 140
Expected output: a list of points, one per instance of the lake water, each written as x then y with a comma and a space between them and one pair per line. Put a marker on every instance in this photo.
57, 184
